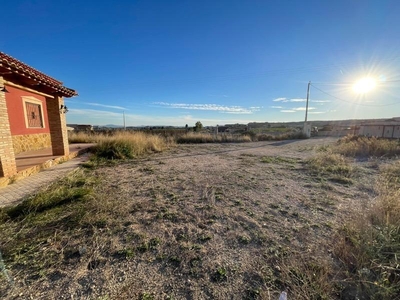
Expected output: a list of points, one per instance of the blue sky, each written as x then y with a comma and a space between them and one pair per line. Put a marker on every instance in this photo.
177, 62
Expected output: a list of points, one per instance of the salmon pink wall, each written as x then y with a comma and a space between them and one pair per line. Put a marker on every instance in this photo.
16, 112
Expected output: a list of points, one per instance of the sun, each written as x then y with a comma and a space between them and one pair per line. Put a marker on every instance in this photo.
364, 85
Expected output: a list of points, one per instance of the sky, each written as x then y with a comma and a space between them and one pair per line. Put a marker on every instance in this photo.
163, 63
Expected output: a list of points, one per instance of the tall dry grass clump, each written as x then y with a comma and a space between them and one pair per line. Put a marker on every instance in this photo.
123, 145
354, 146
387, 209
81, 137
369, 245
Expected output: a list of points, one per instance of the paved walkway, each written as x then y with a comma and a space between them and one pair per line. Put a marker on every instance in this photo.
16, 192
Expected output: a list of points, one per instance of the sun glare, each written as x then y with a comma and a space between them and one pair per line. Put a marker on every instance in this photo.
364, 85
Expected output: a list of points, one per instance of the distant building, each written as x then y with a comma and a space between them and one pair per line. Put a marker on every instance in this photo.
81, 127
389, 130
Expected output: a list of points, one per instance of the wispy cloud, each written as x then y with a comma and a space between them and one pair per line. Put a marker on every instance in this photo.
104, 105
280, 107
317, 112
284, 99
295, 109
95, 113
211, 107
320, 101
302, 108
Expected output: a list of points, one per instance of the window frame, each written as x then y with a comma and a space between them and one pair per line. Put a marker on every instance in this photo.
35, 101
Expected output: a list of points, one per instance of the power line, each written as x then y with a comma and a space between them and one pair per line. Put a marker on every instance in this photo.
354, 103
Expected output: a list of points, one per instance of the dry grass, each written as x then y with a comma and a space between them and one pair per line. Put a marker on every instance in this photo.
369, 246
279, 137
178, 136
122, 144
82, 137
367, 147
129, 145
196, 137
250, 136
335, 167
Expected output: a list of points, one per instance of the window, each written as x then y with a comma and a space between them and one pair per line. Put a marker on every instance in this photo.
34, 115
33, 111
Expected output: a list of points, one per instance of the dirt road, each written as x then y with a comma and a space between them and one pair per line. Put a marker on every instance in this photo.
204, 221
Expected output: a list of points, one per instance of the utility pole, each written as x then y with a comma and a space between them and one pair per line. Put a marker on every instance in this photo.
308, 97
124, 119
306, 128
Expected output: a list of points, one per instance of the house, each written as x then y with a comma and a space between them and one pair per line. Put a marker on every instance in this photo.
32, 113
80, 127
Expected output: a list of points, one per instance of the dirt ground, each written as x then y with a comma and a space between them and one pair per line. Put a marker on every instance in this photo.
204, 221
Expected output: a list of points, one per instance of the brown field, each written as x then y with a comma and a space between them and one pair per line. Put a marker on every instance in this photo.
204, 221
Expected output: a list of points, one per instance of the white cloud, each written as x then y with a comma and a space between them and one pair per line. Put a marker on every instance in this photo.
103, 105
280, 107
211, 107
320, 101
317, 112
288, 111
92, 113
280, 100
302, 108
283, 99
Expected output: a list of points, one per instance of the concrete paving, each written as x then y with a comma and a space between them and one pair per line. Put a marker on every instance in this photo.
18, 191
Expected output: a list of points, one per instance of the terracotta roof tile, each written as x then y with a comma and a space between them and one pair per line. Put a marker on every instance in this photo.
18, 67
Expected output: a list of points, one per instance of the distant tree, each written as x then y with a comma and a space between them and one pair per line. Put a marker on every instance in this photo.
198, 126
187, 127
